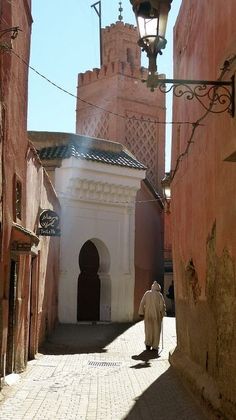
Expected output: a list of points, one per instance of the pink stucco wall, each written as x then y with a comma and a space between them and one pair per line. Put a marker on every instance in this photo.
148, 243
41, 195
14, 143
13, 82
29, 287
203, 206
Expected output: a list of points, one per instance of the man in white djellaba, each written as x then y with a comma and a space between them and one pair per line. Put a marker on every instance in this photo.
152, 308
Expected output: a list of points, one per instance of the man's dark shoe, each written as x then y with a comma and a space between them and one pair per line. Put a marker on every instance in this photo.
148, 347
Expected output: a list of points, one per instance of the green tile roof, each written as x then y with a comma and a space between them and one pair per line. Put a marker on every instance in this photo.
80, 151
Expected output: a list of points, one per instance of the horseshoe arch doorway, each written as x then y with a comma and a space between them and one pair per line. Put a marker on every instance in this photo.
94, 288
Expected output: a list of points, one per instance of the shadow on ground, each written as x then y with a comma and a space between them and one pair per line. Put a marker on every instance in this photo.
82, 338
162, 402
145, 357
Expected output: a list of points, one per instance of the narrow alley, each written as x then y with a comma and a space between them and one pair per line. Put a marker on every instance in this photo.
100, 372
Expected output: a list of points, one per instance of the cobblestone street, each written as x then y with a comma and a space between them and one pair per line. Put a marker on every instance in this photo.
100, 372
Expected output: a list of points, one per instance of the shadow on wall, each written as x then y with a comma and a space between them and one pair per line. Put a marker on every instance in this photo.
165, 399
48, 290
82, 338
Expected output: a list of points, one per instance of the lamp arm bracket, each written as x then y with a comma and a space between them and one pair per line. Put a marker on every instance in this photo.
216, 96
13, 31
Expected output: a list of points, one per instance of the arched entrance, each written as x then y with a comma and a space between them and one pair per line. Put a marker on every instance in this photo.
88, 307
105, 279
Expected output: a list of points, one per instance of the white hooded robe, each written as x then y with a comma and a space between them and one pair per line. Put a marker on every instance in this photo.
152, 306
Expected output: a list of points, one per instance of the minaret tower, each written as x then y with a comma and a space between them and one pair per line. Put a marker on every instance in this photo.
126, 110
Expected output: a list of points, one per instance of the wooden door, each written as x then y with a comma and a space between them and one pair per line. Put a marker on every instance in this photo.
88, 308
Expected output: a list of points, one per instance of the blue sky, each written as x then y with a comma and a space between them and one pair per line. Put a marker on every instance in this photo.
65, 42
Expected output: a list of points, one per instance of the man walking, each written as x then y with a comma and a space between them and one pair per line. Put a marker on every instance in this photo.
152, 307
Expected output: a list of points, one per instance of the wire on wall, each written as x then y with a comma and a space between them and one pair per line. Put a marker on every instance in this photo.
197, 123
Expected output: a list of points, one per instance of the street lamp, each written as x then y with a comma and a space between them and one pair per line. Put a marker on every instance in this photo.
166, 188
151, 17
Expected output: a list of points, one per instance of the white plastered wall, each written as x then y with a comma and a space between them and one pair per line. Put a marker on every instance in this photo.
97, 203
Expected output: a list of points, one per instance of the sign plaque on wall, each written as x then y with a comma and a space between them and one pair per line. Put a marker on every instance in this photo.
49, 223
21, 247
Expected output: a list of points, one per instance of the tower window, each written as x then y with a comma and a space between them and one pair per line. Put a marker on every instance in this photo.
130, 56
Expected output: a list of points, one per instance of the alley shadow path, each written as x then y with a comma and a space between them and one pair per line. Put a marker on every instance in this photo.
102, 372
165, 399
83, 338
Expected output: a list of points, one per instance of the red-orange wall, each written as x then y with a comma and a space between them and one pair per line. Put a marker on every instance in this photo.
118, 88
41, 195
203, 204
14, 142
13, 104
148, 243
36, 194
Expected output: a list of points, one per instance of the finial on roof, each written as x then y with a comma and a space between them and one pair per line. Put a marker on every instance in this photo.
120, 17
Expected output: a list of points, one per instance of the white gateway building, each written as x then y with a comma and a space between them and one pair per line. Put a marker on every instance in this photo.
96, 182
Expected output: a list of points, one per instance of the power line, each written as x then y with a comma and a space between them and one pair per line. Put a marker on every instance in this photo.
97, 106
158, 199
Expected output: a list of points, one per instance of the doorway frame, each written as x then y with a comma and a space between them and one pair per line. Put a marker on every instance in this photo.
11, 321
105, 278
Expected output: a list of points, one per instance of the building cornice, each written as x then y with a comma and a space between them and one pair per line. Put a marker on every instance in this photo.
100, 192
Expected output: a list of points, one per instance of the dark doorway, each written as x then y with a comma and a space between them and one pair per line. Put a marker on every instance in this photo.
88, 308
10, 360
33, 308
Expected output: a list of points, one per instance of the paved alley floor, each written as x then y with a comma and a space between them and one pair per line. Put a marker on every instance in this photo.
100, 372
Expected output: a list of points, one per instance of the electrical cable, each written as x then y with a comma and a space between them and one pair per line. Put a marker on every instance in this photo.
194, 125
97, 106
158, 199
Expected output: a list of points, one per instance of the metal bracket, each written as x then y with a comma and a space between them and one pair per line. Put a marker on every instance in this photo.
9, 35
220, 94
12, 31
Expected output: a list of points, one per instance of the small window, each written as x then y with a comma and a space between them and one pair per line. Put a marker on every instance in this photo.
130, 56
17, 199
